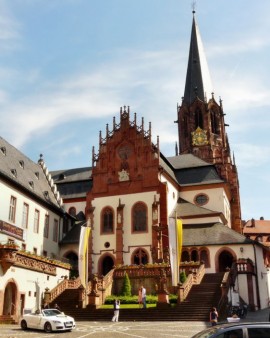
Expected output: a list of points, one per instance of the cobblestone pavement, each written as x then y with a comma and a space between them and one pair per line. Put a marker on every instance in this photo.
112, 330
126, 329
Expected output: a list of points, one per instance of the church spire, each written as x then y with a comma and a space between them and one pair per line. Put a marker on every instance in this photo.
198, 81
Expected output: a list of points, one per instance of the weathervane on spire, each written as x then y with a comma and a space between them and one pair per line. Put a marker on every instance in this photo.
193, 6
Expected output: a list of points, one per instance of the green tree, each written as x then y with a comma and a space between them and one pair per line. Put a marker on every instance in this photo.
126, 290
183, 277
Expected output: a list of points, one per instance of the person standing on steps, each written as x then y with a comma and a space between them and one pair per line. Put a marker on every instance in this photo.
213, 316
143, 296
116, 308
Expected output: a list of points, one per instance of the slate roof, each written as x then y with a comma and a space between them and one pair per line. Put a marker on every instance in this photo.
73, 183
73, 236
25, 174
190, 170
211, 234
185, 208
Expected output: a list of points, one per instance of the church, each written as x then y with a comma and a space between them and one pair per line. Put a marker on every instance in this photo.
127, 198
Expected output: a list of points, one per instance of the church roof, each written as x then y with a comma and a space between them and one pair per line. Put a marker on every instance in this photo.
191, 170
211, 234
73, 236
198, 81
73, 183
185, 208
25, 174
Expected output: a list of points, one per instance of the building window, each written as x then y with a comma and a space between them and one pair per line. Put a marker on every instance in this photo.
107, 221
46, 226
23, 247
55, 230
198, 119
25, 215
12, 209
45, 253
140, 257
139, 217
36, 221
258, 239
201, 199
35, 251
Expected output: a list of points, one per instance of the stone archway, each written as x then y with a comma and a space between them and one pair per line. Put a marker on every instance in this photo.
10, 296
107, 265
225, 260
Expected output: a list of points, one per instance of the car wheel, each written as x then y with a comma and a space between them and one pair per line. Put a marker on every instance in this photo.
47, 327
24, 325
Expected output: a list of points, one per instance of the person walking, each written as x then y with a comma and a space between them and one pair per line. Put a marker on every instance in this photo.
116, 308
213, 316
143, 296
140, 298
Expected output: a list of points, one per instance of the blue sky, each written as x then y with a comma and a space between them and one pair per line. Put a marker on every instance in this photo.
67, 66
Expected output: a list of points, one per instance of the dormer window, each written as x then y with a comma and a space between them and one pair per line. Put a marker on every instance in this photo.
37, 174
14, 172
21, 164
31, 183
3, 150
62, 176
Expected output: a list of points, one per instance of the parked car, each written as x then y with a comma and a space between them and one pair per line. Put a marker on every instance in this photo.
48, 320
236, 330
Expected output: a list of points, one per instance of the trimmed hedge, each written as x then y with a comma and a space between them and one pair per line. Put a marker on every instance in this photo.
150, 299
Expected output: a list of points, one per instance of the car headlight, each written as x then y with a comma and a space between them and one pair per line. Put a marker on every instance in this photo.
57, 321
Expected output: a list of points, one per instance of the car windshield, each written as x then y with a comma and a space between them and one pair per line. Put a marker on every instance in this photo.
206, 333
51, 312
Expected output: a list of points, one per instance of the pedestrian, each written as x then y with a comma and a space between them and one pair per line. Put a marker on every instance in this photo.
116, 308
140, 298
213, 316
46, 305
56, 306
143, 296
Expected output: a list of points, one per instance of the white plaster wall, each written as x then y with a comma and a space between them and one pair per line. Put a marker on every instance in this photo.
218, 200
131, 241
79, 206
172, 195
29, 281
31, 239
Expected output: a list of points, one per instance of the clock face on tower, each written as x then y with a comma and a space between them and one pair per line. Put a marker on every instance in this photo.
199, 137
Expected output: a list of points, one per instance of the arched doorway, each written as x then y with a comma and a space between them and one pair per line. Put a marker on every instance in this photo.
107, 265
225, 260
10, 299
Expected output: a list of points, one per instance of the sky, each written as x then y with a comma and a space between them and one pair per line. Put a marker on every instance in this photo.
67, 66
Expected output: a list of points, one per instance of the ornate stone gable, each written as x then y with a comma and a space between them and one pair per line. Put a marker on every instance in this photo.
127, 160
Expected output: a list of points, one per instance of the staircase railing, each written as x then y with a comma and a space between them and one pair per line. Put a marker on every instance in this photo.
62, 286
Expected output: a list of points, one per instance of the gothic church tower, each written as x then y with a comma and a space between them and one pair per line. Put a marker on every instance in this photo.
201, 126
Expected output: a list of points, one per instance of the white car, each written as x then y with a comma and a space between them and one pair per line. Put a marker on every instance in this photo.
48, 320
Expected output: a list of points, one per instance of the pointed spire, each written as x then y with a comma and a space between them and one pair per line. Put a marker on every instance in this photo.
198, 81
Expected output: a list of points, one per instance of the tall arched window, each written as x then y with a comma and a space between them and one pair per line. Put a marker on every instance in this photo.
139, 217
185, 256
204, 257
107, 221
140, 257
198, 119
194, 256
72, 211
214, 123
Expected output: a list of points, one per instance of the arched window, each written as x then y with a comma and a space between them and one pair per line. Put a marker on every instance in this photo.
204, 258
185, 256
72, 211
198, 119
259, 239
107, 221
194, 255
140, 257
139, 217
214, 123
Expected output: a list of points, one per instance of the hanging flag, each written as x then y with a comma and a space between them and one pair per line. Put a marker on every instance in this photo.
175, 247
83, 254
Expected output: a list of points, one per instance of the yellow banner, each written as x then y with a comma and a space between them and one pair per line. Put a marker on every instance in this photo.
83, 254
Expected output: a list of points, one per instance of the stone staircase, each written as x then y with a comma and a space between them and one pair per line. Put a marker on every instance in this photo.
195, 308
6, 319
